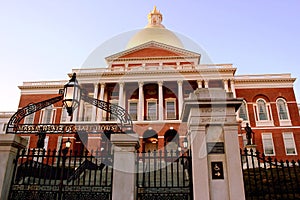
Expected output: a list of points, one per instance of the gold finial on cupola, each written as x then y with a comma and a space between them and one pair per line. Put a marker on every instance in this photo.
155, 18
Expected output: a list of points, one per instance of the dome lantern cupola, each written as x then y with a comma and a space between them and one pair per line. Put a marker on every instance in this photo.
155, 31
155, 18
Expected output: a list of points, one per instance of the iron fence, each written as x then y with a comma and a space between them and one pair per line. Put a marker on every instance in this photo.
267, 178
164, 175
63, 174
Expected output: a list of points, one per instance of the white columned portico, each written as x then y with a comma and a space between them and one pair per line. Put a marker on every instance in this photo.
101, 97
121, 94
180, 97
141, 101
160, 101
94, 108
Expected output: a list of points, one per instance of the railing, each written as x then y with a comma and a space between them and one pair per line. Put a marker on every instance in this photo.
265, 178
164, 175
61, 175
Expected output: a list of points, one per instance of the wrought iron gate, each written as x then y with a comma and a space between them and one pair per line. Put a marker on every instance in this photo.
60, 174
267, 178
164, 175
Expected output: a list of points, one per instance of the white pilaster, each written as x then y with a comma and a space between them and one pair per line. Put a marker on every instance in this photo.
205, 83
226, 85
94, 108
101, 97
141, 102
180, 97
121, 94
199, 82
160, 101
232, 88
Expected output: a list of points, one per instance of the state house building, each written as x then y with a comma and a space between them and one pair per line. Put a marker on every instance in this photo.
151, 78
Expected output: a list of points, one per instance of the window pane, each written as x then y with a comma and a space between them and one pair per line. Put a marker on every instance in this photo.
47, 115
133, 110
152, 111
112, 116
267, 140
29, 119
262, 110
289, 143
243, 112
171, 110
282, 109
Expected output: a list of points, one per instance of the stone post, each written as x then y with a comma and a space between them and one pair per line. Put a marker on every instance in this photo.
9, 145
210, 114
124, 179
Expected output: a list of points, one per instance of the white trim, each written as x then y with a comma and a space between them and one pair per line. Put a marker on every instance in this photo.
283, 122
269, 118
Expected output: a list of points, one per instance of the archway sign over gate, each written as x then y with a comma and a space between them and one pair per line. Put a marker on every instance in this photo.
123, 125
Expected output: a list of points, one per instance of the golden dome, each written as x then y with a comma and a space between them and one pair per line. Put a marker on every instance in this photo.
154, 31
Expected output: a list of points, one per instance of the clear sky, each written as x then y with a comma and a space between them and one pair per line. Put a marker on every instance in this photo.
44, 40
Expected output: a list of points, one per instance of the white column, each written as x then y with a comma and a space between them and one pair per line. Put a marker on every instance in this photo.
205, 83
226, 85
232, 88
81, 109
160, 101
141, 101
121, 94
101, 97
199, 82
94, 108
180, 97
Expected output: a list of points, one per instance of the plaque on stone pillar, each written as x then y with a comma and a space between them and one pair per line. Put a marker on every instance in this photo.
215, 148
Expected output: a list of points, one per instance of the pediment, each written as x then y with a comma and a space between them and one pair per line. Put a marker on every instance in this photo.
152, 49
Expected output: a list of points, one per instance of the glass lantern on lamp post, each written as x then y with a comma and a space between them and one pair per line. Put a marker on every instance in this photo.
71, 95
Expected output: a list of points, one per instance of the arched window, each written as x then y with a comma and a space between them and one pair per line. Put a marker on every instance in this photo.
282, 109
262, 110
243, 114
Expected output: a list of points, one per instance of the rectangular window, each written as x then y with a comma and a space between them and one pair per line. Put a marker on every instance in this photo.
152, 110
29, 119
170, 109
64, 115
289, 143
46, 143
268, 145
113, 117
87, 113
133, 110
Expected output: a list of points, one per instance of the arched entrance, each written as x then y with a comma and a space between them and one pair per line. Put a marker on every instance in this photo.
171, 140
150, 141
